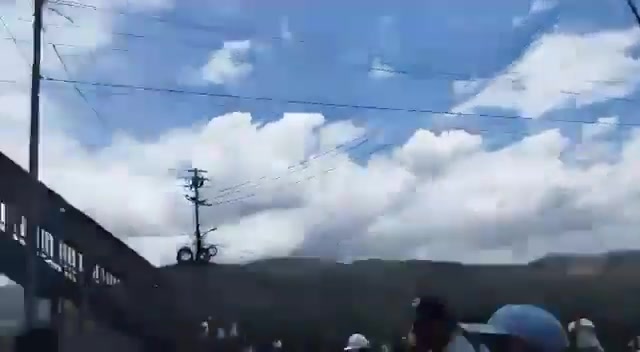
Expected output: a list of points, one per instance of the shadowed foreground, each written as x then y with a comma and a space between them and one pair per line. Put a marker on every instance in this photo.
319, 300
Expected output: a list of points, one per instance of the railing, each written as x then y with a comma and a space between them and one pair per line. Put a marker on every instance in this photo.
96, 266
76, 229
58, 254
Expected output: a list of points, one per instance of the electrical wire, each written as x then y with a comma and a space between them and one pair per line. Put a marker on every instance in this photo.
325, 103
634, 11
68, 72
78, 90
15, 41
384, 67
378, 148
63, 45
174, 22
309, 178
96, 92
300, 166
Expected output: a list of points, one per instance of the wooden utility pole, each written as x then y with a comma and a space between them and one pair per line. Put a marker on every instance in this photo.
195, 182
634, 10
31, 283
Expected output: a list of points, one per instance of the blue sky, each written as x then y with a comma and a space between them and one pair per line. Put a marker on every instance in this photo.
333, 45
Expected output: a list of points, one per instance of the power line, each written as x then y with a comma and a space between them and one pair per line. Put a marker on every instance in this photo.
174, 22
217, 201
314, 176
14, 40
309, 178
64, 45
634, 10
324, 104
68, 72
147, 37
77, 89
94, 91
378, 148
344, 147
383, 67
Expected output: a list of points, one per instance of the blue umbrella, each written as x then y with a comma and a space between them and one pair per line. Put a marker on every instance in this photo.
532, 324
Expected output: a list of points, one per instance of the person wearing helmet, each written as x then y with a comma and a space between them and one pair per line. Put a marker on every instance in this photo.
583, 336
357, 342
435, 328
533, 329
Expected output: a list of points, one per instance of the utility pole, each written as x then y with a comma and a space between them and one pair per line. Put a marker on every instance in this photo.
634, 10
31, 284
195, 182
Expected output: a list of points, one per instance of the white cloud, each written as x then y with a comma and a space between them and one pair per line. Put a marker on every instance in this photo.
380, 70
536, 7
229, 63
285, 31
604, 126
564, 70
439, 196
462, 88
595, 144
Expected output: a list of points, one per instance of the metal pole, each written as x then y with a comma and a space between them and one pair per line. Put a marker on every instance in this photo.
196, 181
634, 10
31, 282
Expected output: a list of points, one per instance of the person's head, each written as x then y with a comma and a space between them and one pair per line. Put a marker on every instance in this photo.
532, 328
434, 324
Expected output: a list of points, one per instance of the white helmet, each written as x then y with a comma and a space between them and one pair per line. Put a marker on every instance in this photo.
356, 342
582, 322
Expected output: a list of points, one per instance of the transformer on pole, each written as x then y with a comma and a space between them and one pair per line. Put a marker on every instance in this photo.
200, 251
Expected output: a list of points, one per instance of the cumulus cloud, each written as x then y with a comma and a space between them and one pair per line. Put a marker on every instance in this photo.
229, 63
443, 196
564, 70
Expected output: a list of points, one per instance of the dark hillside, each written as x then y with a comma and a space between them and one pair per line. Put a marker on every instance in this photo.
283, 297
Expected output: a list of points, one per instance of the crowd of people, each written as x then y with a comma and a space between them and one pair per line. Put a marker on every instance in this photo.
512, 328
435, 328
